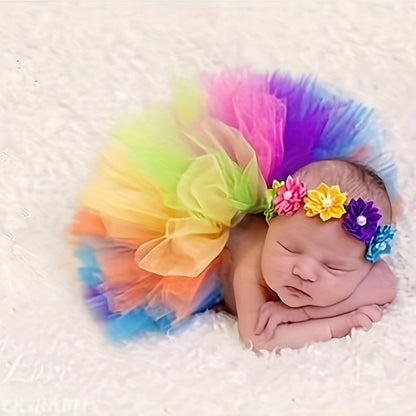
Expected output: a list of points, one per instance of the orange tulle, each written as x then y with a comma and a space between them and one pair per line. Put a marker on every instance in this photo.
127, 285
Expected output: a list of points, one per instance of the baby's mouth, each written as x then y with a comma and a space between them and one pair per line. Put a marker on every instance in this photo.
295, 291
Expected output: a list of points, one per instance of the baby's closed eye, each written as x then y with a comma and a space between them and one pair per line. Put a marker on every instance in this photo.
333, 267
338, 268
286, 247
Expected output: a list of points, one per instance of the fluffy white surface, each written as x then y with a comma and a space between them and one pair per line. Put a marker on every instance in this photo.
67, 71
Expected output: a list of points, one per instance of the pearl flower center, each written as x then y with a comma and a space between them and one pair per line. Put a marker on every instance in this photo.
287, 195
381, 246
361, 220
326, 201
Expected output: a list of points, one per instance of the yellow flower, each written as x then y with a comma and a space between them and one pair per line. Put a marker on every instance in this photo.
326, 201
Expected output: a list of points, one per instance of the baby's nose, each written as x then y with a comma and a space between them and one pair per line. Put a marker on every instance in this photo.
305, 268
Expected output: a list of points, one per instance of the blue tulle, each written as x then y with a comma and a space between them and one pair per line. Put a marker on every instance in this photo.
134, 323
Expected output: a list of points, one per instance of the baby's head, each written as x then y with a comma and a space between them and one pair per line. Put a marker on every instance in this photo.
356, 180
326, 230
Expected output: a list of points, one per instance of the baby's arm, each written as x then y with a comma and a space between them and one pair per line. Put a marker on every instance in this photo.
299, 334
250, 293
377, 288
249, 297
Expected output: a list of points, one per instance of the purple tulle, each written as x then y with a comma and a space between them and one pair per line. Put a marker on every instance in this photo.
97, 302
320, 123
293, 121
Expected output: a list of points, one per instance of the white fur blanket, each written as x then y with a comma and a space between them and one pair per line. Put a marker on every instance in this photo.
67, 71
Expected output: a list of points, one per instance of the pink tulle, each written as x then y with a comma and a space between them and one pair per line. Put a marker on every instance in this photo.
242, 100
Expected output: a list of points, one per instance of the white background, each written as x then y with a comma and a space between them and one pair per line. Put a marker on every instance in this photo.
67, 71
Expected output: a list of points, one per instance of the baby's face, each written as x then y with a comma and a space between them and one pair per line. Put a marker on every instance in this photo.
306, 261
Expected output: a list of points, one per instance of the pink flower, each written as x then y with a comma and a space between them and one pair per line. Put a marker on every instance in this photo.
289, 197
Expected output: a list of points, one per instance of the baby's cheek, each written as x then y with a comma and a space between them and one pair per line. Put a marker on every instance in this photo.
331, 290
356, 277
273, 274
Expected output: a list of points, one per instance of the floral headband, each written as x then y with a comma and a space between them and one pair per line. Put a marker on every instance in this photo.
359, 218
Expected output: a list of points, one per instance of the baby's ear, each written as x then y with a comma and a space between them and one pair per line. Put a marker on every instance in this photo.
396, 210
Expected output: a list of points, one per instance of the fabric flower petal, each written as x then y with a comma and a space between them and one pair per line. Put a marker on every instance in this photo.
289, 196
269, 212
327, 202
380, 243
361, 219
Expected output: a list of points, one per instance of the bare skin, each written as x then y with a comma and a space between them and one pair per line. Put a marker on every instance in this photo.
299, 280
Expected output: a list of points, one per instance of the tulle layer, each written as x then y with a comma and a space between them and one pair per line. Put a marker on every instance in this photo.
130, 301
312, 122
155, 216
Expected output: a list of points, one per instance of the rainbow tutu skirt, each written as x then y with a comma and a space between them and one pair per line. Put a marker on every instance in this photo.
154, 218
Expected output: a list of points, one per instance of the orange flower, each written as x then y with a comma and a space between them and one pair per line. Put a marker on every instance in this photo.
326, 201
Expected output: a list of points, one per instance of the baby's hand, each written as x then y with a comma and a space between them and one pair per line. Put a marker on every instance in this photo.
271, 315
365, 316
362, 318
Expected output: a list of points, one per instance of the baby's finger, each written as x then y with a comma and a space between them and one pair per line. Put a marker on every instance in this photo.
262, 318
365, 322
361, 320
374, 312
260, 324
270, 328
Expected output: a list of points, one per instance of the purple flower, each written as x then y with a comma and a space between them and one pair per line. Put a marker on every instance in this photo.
380, 243
361, 219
